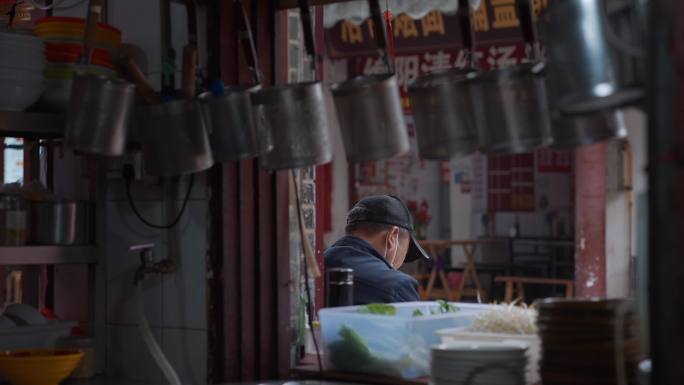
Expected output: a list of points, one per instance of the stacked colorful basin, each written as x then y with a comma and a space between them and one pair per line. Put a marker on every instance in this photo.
64, 45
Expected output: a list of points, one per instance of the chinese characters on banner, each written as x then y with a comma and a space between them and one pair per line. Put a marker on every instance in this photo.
495, 23
410, 66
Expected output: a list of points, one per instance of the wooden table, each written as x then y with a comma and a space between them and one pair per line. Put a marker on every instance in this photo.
519, 283
434, 248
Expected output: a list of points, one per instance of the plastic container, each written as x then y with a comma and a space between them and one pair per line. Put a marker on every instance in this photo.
34, 337
388, 345
532, 340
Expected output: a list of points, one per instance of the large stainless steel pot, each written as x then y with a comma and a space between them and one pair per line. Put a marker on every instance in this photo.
371, 118
582, 74
100, 108
511, 108
298, 117
233, 131
512, 112
442, 105
443, 109
576, 130
369, 108
61, 222
174, 138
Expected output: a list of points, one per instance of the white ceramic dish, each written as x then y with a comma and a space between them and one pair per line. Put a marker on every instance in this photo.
17, 74
17, 95
23, 38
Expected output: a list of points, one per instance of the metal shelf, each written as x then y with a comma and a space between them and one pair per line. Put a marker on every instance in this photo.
47, 255
31, 125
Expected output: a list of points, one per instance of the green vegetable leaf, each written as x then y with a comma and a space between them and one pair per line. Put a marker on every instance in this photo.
378, 308
446, 307
418, 313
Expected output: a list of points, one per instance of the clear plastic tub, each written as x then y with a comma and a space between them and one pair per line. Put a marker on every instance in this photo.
389, 345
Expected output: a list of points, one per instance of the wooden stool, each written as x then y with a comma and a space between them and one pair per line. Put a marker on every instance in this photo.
519, 283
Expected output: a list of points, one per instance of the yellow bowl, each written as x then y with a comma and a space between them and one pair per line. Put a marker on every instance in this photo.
38, 366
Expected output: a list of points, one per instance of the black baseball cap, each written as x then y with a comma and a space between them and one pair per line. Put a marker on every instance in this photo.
388, 210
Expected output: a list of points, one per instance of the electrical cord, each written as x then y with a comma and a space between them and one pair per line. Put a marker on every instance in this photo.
128, 178
309, 310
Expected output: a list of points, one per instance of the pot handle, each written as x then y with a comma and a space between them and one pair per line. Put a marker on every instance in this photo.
134, 74
189, 70
467, 33
529, 29
307, 26
247, 39
94, 12
380, 33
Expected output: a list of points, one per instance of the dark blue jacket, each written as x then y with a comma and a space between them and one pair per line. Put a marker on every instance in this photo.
374, 279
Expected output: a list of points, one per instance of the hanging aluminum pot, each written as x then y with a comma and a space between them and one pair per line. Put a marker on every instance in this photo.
512, 110
233, 130
174, 138
298, 117
582, 74
100, 108
570, 131
369, 108
174, 135
442, 105
231, 122
371, 118
511, 103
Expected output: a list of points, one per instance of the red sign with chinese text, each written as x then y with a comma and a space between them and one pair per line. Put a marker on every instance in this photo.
495, 23
510, 182
554, 161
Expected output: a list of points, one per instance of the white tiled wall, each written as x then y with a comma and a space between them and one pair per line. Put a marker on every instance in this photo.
175, 304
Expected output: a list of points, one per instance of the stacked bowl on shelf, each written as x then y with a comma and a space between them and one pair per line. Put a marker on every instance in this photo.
63, 47
22, 63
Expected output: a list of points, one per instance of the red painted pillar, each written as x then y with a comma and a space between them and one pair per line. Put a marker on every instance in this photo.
590, 220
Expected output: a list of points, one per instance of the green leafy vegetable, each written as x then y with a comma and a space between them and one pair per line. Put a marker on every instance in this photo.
446, 307
378, 308
351, 354
418, 313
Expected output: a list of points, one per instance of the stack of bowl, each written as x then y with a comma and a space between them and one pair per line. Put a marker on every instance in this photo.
63, 48
22, 63
587, 342
479, 363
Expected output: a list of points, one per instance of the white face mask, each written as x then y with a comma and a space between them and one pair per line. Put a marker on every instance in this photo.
396, 250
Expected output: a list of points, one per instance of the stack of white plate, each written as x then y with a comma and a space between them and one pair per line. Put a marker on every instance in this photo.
22, 67
479, 363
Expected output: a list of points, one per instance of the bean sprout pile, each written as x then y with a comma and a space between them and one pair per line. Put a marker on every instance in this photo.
506, 319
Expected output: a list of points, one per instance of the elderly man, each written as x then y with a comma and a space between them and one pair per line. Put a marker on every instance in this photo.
378, 241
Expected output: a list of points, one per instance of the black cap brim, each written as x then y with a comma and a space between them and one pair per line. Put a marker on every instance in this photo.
415, 251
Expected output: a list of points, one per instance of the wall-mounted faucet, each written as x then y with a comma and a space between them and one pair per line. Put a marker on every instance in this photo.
147, 264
